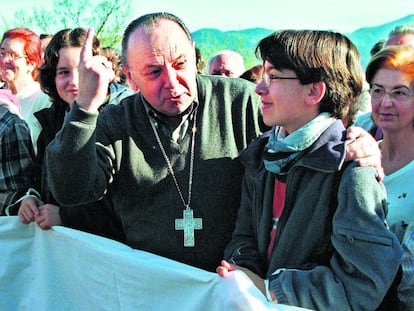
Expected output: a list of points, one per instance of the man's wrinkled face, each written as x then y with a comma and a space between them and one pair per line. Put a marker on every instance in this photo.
162, 65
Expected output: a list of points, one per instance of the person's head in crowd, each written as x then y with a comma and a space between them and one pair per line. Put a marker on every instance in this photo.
44, 41
377, 46
390, 74
253, 74
226, 63
176, 105
401, 35
170, 88
115, 58
20, 57
59, 72
200, 61
290, 67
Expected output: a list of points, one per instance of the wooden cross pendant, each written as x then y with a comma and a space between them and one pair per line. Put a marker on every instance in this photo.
188, 223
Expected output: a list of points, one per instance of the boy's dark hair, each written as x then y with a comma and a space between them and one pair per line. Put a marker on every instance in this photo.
317, 56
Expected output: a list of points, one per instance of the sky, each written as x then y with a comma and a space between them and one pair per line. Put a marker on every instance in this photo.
339, 15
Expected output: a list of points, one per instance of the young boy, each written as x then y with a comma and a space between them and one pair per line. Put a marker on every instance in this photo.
310, 226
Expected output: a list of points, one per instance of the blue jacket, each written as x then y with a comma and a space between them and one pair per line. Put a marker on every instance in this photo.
331, 238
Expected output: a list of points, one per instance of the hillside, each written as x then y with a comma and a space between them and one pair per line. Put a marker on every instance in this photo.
210, 40
365, 38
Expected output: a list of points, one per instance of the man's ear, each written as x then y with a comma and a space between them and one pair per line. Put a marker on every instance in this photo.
131, 82
316, 92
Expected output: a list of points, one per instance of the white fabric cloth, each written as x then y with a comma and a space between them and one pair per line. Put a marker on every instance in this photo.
65, 269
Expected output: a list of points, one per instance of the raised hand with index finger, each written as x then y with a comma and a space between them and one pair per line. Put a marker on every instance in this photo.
95, 74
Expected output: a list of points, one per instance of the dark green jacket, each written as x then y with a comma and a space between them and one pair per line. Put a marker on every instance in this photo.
127, 163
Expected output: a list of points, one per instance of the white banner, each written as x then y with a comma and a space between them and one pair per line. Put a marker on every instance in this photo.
65, 269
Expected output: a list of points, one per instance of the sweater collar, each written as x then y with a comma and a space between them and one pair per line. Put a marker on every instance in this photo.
172, 126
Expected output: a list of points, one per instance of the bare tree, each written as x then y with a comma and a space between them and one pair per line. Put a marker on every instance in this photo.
108, 18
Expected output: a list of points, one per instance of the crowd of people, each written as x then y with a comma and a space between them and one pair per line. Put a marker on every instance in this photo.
259, 170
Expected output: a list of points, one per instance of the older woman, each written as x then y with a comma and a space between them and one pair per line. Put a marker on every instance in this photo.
20, 58
390, 74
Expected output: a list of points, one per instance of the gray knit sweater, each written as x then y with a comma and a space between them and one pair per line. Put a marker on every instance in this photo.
117, 154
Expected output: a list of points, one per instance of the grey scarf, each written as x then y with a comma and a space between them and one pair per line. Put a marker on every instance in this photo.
281, 151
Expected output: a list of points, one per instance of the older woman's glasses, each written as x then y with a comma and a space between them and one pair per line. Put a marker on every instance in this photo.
267, 79
399, 95
11, 55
